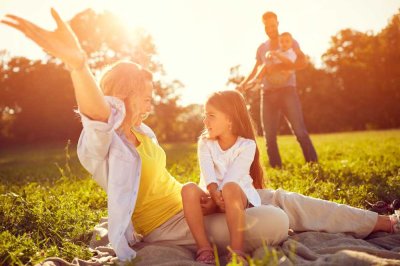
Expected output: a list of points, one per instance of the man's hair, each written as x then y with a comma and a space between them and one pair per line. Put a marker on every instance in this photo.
268, 15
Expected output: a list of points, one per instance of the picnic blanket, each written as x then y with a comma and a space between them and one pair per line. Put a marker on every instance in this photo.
301, 248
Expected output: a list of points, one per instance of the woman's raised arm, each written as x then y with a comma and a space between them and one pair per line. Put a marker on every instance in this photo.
63, 44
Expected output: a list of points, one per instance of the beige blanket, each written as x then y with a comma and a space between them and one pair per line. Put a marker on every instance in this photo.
306, 248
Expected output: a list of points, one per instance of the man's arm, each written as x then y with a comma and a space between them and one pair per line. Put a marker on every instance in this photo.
242, 87
286, 61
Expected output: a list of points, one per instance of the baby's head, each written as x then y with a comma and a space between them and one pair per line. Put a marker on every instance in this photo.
285, 41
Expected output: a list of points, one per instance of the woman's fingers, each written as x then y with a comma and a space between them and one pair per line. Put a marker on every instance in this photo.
12, 24
32, 31
33, 27
26, 27
65, 29
60, 23
40, 36
61, 43
20, 26
29, 26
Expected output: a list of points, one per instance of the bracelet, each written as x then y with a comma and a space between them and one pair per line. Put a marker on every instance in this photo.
82, 64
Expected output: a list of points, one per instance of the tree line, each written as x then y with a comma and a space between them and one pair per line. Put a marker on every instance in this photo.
357, 88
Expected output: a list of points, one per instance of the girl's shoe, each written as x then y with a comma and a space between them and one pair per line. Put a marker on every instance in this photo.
240, 257
205, 255
395, 222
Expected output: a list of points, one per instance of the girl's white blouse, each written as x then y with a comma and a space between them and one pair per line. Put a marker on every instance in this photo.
232, 165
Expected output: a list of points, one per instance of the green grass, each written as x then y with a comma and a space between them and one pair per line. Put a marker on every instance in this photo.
49, 204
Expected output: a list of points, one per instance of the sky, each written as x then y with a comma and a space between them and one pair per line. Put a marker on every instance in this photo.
198, 41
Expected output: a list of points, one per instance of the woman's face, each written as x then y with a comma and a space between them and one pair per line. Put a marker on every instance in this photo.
144, 103
216, 122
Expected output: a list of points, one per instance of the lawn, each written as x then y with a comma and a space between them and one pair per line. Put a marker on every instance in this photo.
49, 203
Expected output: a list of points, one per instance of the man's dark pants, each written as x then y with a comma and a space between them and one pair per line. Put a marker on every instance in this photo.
284, 101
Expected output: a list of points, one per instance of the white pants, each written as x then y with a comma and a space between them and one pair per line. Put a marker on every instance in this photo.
311, 214
270, 222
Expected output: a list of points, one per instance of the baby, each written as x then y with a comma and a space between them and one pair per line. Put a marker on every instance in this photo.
283, 55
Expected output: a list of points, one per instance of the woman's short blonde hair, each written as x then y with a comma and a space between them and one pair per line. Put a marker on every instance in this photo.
123, 79
126, 80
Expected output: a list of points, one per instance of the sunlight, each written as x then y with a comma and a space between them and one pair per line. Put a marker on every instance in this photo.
173, 26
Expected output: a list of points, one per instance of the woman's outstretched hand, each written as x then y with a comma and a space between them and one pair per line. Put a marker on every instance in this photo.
61, 43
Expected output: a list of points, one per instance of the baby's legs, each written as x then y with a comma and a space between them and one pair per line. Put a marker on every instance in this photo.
191, 196
235, 202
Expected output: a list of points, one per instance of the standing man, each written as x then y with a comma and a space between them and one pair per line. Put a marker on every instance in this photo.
278, 94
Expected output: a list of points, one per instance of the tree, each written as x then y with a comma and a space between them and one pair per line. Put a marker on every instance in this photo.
166, 111
367, 68
191, 122
40, 97
40, 93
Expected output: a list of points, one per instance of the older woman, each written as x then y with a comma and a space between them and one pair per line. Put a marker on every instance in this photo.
123, 156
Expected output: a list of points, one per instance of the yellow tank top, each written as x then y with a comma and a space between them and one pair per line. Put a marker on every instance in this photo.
159, 196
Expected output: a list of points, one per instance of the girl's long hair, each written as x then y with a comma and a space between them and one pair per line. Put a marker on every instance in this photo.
232, 104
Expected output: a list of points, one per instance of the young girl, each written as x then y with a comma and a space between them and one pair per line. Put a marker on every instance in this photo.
230, 171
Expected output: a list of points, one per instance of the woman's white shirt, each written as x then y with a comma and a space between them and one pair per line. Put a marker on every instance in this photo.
116, 166
231, 165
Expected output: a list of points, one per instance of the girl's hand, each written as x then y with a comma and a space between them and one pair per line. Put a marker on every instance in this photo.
61, 43
208, 206
218, 199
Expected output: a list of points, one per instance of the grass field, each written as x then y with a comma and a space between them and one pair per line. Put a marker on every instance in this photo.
49, 204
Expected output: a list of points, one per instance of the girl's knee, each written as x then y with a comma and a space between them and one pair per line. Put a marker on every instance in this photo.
231, 190
190, 190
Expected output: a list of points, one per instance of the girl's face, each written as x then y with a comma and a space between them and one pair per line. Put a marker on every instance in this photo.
144, 103
216, 122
